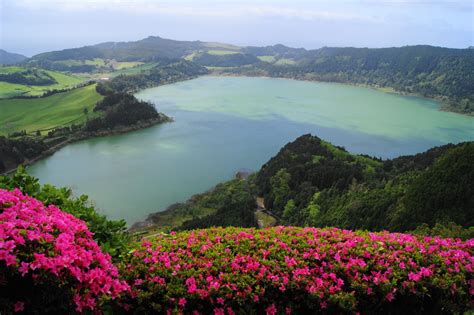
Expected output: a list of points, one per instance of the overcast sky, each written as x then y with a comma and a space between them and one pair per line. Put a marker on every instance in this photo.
33, 26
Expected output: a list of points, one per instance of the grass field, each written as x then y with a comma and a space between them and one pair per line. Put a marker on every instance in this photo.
12, 69
11, 89
191, 56
126, 64
48, 112
285, 61
76, 62
98, 62
268, 58
222, 52
222, 46
128, 71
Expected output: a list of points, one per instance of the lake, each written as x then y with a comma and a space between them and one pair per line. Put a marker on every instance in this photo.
223, 124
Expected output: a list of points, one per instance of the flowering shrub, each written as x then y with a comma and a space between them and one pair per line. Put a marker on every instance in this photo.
110, 235
299, 270
49, 262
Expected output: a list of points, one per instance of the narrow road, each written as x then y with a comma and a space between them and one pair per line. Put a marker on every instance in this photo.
260, 203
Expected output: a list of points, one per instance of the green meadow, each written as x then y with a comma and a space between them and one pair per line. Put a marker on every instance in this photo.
100, 63
48, 112
63, 80
221, 52
285, 61
267, 58
222, 46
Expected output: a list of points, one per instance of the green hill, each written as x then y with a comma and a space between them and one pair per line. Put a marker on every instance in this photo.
311, 182
8, 58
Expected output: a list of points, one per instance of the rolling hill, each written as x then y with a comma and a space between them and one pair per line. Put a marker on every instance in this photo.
8, 58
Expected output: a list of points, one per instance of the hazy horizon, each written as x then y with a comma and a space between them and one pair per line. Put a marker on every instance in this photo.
31, 27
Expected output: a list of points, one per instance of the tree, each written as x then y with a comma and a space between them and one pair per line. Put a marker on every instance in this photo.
290, 211
280, 188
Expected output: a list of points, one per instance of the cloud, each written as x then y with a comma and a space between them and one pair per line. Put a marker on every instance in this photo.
221, 9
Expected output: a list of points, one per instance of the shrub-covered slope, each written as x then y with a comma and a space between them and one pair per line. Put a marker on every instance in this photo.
49, 262
110, 235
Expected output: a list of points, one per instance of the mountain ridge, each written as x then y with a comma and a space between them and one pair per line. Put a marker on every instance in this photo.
444, 74
9, 58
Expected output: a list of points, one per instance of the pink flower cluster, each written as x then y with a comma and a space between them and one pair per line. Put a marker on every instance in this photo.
289, 269
39, 241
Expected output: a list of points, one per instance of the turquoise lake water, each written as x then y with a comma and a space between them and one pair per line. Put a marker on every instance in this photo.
223, 124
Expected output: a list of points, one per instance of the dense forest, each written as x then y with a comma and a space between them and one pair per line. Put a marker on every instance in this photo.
166, 71
122, 109
313, 183
16, 151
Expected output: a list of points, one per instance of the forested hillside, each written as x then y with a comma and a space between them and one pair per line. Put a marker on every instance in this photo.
311, 182
165, 71
441, 73
16, 151
8, 58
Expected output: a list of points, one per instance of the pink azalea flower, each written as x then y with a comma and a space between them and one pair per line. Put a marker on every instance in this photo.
19, 306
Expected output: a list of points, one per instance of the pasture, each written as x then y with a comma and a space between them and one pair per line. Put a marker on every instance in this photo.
48, 112
63, 80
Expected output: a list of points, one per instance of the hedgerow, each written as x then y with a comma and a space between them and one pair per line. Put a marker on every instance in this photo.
109, 234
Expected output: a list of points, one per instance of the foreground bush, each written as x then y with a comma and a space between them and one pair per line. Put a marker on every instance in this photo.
299, 270
49, 262
110, 235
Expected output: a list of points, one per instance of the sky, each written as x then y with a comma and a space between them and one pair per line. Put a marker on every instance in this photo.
33, 26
